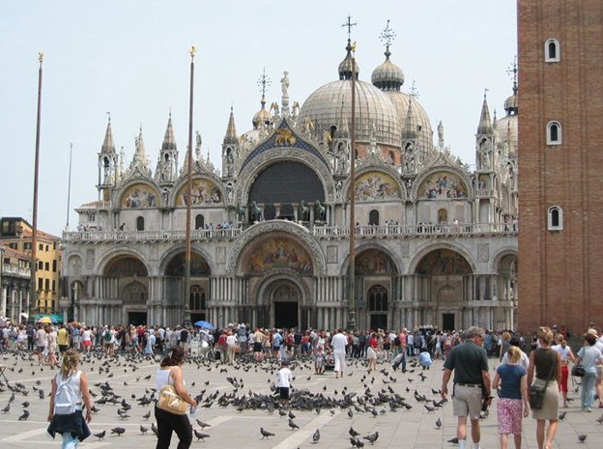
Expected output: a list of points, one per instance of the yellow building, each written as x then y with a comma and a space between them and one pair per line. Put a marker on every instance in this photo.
16, 233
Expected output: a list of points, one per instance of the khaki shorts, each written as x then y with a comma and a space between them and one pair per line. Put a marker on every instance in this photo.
467, 401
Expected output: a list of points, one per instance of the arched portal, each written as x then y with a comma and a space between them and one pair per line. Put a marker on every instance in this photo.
127, 278
284, 298
443, 285
199, 292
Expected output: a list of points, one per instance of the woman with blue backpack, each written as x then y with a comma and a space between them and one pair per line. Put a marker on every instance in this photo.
68, 396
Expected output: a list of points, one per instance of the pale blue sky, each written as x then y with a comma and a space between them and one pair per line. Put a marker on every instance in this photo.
131, 58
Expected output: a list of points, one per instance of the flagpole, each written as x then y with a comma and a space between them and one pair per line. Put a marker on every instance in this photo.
34, 232
352, 256
186, 313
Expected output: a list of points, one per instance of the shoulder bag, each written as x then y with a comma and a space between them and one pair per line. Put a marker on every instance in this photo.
578, 370
170, 401
537, 393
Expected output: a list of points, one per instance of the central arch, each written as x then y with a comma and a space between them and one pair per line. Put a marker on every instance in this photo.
280, 299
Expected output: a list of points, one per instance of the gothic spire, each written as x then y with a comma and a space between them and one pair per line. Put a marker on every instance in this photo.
231, 130
485, 124
108, 144
169, 140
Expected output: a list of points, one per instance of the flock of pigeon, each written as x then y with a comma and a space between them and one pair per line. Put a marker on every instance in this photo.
375, 394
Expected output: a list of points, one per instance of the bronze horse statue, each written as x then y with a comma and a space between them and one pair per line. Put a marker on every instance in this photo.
303, 212
257, 212
320, 213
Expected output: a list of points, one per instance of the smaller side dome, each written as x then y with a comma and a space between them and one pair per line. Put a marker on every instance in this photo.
262, 117
388, 76
348, 65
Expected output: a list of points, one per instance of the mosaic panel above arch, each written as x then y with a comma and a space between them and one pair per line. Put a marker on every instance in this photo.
443, 185
276, 252
443, 262
374, 261
203, 192
140, 195
376, 186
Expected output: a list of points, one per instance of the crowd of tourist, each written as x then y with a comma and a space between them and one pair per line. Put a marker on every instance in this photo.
542, 359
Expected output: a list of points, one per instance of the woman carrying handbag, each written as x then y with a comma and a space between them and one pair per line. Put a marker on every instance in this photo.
170, 373
545, 370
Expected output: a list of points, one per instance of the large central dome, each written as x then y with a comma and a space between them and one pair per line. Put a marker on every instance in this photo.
329, 104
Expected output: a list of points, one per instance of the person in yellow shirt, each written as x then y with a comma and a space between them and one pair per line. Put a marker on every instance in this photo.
63, 338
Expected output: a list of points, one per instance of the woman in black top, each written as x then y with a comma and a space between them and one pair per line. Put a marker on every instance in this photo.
545, 365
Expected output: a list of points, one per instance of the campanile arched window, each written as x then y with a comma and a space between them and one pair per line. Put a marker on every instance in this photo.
553, 133
555, 218
552, 51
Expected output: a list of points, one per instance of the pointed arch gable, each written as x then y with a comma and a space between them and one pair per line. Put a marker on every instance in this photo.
139, 195
204, 191
442, 182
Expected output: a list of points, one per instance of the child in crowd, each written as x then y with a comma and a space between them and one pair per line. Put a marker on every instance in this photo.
425, 359
283, 382
319, 360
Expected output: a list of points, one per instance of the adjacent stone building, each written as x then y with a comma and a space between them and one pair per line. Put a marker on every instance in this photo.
436, 241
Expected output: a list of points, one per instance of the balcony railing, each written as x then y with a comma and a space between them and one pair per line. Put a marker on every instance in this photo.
329, 232
15, 271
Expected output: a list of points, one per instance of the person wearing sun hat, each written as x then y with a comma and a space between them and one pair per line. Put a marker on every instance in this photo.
590, 356
599, 381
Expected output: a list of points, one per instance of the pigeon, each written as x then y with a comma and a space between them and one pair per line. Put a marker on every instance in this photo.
291, 415
438, 423
600, 419
356, 442
6, 409
100, 435
316, 436
350, 413
154, 429
562, 416
293, 425
372, 438
581, 438
200, 435
24, 416
118, 430
143, 429
353, 433
147, 415
202, 424
265, 433
454, 440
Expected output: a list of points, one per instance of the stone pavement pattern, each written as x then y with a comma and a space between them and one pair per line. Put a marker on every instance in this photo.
230, 428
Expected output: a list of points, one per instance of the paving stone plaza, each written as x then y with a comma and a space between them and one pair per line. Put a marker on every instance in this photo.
238, 426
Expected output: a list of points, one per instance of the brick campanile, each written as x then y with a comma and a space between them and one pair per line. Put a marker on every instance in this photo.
560, 163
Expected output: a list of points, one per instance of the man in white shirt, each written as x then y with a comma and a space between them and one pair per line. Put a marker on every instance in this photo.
338, 343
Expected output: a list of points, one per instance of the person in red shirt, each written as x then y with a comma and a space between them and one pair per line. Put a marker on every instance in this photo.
371, 352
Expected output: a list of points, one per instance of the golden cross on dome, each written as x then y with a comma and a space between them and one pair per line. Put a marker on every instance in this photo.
349, 26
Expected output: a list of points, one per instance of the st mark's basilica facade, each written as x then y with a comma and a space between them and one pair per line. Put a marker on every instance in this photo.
436, 241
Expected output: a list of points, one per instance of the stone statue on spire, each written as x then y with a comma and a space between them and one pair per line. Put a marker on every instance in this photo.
285, 91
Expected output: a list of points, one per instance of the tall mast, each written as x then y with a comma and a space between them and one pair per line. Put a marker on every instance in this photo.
352, 254
34, 232
186, 313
